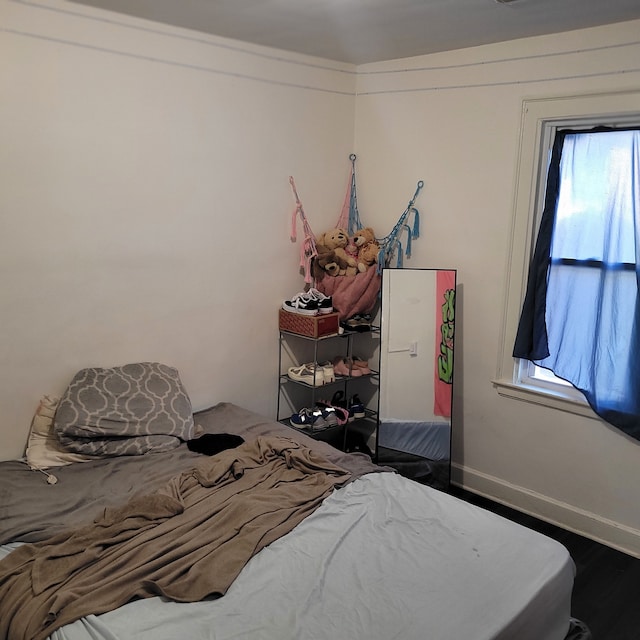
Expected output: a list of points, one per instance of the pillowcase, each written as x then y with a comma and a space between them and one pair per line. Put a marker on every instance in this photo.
128, 410
43, 448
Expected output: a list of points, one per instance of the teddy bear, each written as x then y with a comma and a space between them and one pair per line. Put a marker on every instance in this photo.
329, 262
337, 240
368, 248
368, 255
351, 249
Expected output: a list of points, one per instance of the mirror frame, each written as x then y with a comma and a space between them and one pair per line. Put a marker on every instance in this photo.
437, 370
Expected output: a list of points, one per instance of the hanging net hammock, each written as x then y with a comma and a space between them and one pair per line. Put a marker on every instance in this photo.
356, 294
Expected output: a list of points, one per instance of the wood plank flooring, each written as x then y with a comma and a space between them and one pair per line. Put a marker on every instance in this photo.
606, 594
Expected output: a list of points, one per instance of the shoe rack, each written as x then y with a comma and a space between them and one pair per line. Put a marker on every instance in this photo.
293, 395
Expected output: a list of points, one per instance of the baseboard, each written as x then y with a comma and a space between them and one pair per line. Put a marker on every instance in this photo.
566, 516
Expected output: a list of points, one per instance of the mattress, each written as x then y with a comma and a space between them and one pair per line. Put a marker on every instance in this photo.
382, 557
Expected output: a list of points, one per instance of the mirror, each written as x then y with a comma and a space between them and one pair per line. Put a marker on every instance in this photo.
416, 373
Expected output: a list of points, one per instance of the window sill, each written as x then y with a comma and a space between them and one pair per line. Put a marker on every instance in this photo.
545, 397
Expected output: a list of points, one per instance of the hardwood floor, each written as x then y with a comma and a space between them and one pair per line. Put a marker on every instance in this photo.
606, 594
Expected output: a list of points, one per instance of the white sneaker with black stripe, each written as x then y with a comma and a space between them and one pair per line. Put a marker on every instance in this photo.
325, 304
302, 304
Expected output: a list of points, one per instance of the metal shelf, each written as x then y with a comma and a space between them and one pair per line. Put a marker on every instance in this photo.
314, 392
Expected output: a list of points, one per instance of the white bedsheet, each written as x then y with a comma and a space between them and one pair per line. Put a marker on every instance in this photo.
433, 568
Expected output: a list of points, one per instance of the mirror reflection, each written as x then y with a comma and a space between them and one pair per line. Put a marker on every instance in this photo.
416, 373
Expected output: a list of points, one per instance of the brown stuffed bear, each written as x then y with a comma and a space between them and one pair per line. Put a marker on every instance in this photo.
336, 240
368, 248
329, 262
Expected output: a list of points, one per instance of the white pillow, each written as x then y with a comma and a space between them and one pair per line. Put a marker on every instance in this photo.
43, 448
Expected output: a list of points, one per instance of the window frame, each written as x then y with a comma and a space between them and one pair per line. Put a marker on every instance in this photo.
541, 118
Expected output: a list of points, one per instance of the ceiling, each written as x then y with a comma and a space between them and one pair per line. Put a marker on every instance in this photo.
362, 31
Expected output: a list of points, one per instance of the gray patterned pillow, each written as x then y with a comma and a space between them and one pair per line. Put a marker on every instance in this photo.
128, 410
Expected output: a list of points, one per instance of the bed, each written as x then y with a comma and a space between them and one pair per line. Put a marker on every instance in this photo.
370, 555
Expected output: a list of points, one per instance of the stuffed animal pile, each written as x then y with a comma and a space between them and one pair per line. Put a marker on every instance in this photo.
341, 255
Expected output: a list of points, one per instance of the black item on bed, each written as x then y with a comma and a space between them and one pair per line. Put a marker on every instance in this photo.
211, 443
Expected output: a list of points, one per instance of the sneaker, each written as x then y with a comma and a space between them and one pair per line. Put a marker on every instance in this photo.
339, 402
356, 407
328, 372
311, 374
308, 419
360, 323
329, 414
302, 304
325, 304
333, 415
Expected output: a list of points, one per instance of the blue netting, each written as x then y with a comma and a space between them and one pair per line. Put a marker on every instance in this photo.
391, 245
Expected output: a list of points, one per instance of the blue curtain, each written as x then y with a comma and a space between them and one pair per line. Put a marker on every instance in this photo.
581, 313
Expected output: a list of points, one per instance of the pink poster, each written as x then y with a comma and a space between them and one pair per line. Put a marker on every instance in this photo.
445, 314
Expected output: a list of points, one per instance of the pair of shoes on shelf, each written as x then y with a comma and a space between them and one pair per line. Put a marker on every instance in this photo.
313, 374
351, 367
354, 408
344, 367
309, 303
309, 419
337, 415
362, 366
361, 322
322, 416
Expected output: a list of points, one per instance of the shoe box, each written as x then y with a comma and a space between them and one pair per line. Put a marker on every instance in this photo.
326, 324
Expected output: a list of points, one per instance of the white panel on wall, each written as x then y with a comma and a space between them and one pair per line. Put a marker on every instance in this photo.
408, 347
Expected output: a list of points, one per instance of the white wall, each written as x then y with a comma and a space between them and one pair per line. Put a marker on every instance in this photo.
453, 120
145, 204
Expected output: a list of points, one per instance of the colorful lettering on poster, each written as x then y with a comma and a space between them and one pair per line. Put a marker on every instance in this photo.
445, 357
444, 325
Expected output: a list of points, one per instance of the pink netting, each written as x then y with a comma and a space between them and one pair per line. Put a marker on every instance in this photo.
352, 295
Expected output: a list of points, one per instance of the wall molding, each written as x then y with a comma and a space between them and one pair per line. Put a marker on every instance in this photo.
585, 523
175, 63
143, 25
110, 34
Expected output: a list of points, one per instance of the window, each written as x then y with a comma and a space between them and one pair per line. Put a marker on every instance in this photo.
529, 373
579, 317
542, 119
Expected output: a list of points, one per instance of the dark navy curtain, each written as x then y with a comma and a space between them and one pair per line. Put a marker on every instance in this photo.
581, 312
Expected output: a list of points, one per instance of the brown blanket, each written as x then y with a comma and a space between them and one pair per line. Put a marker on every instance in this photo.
187, 541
